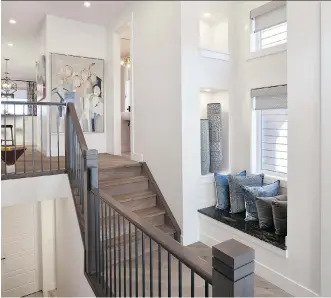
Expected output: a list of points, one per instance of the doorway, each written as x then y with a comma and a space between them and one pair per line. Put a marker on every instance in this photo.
123, 101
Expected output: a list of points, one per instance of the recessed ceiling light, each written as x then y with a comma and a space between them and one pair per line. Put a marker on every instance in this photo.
10, 44
12, 21
87, 4
207, 90
207, 14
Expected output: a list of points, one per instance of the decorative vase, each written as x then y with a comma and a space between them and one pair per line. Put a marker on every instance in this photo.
215, 136
205, 153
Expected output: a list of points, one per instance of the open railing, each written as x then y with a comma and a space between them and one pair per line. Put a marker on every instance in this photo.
30, 139
127, 256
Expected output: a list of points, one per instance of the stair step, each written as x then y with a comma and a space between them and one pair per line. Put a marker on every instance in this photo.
154, 215
124, 185
138, 200
120, 245
120, 171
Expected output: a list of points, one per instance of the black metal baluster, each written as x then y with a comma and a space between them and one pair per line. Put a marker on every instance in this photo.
124, 236
169, 274
180, 294
5, 120
130, 265
32, 118
136, 260
206, 289
150, 268
50, 138
159, 267
106, 248
110, 257
15, 136
119, 257
99, 239
192, 283
58, 140
24, 138
143, 262
115, 281
102, 250
96, 235
41, 137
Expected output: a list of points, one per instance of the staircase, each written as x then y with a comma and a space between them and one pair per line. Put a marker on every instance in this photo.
128, 183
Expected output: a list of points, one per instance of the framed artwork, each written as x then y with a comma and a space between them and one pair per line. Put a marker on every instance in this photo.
78, 80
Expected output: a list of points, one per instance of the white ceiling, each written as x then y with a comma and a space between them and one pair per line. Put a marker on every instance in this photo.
29, 16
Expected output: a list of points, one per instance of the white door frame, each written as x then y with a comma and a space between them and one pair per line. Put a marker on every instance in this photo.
325, 148
117, 139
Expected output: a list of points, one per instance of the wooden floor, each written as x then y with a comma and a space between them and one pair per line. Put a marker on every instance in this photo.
34, 161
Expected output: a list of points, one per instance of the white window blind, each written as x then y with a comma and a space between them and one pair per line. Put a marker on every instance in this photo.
274, 140
268, 15
273, 36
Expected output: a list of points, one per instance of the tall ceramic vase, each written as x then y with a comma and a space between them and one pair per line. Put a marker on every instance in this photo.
205, 153
215, 136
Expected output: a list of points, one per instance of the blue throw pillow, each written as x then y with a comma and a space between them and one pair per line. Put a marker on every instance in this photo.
222, 190
250, 194
237, 201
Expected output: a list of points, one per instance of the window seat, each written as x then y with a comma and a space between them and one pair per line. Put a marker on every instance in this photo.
237, 221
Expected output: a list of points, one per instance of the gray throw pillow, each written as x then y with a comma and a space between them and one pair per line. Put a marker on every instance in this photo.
279, 213
250, 194
237, 202
264, 210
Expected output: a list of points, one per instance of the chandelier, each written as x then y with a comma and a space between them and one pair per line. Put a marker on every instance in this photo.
125, 61
8, 87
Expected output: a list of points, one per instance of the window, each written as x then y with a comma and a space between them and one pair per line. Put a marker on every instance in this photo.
269, 25
272, 36
270, 130
19, 95
273, 141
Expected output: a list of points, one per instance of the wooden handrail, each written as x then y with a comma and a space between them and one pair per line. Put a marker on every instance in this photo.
183, 254
78, 128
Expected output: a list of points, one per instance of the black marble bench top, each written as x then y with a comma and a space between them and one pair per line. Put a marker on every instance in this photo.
238, 222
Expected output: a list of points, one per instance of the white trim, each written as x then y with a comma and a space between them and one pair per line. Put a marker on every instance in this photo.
207, 179
137, 157
266, 272
250, 240
214, 54
266, 52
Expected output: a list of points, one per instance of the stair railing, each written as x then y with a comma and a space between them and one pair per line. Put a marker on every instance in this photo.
127, 256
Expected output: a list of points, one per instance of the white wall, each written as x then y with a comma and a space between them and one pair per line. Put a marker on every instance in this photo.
65, 36
48, 240
297, 271
34, 189
71, 281
156, 93
325, 148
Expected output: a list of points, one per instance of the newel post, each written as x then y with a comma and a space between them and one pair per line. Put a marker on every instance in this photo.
91, 209
233, 269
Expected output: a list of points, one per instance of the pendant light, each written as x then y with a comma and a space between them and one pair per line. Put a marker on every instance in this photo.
8, 87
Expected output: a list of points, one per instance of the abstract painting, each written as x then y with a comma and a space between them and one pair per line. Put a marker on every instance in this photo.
78, 80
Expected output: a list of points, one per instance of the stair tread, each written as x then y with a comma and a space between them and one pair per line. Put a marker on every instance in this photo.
119, 181
134, 196
127, 164
150, 212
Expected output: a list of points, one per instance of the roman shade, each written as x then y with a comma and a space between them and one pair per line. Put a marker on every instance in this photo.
269, 15
270, 98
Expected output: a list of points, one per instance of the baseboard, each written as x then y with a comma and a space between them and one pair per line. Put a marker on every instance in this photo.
270, 275
137, 157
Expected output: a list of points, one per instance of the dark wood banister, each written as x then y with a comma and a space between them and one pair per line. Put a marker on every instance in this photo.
182, 253
78, 128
